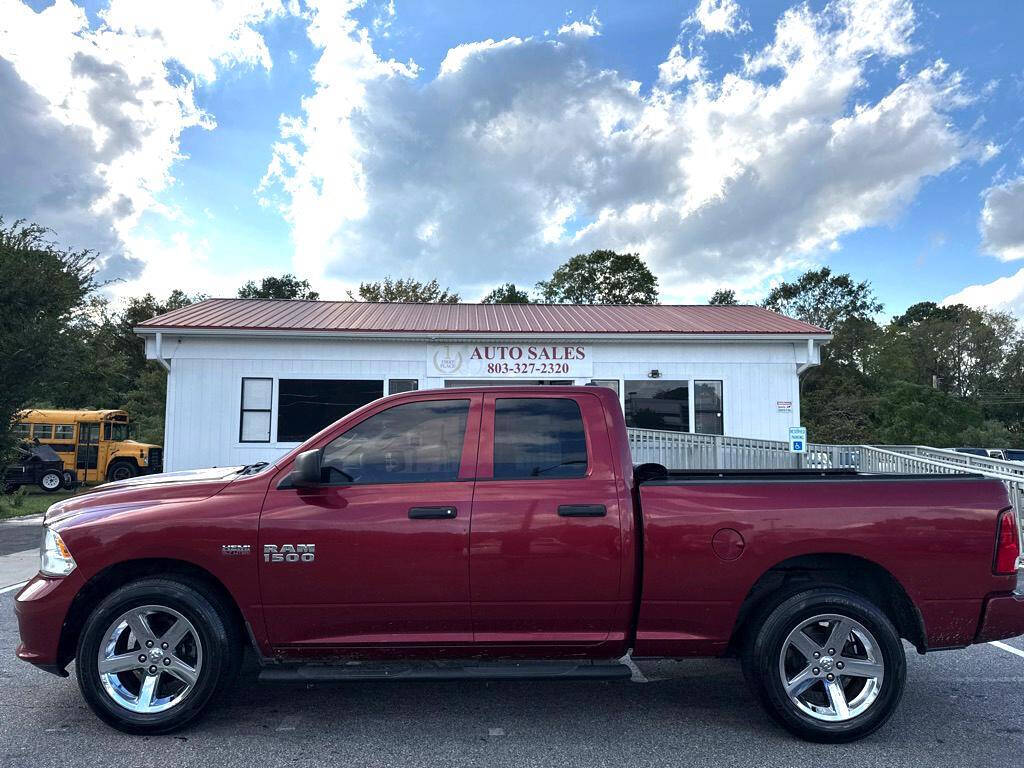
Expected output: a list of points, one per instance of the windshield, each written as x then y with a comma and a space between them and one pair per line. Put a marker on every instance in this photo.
117, 430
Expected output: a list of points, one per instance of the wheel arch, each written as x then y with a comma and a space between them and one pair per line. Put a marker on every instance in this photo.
119, 574
853, 572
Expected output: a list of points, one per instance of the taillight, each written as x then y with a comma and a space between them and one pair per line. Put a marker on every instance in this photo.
1007, 545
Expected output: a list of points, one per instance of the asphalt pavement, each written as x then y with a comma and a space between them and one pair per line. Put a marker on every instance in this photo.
961, 708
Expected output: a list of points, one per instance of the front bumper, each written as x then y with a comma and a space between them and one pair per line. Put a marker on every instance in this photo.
1001, 618
42, 608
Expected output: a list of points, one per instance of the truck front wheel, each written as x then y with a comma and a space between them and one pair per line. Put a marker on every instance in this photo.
827, 664
153, 654
122, 470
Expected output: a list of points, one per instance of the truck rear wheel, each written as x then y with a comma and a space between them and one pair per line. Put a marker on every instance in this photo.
153, 654
827, 664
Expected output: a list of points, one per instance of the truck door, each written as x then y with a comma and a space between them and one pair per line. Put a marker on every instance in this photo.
545, 548
378, 555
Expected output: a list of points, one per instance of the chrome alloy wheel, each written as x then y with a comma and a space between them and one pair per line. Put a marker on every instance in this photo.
149, 659
51, 481
831, 667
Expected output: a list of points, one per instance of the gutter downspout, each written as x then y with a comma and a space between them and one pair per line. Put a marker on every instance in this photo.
158, 352
799, 369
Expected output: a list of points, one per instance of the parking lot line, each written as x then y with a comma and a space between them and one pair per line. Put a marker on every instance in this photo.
1009, 648
13, 587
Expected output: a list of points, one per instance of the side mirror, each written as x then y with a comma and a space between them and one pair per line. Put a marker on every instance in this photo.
306, 470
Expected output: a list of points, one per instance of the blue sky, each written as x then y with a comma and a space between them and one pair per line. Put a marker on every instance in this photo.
731, 144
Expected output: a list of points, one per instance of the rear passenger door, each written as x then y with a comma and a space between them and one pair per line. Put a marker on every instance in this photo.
545, 545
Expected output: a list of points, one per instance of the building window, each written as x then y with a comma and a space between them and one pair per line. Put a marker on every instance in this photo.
538, 438
418, 442
707, 407
305, 406
658, 404
64, 432
257, 397
402, 385
42, 431
610, 383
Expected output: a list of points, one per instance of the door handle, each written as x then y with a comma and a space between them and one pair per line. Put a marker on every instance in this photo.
582, 510
432, 513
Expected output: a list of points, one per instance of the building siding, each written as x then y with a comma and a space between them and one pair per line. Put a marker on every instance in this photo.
204, 384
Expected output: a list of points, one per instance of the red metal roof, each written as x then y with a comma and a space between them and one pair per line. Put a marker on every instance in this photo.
365, 317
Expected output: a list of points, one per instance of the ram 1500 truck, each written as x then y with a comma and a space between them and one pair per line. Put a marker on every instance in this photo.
505, 532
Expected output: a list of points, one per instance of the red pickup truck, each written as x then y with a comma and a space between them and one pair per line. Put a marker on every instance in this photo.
504, 532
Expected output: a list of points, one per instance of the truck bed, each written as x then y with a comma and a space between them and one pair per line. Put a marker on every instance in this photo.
709, 536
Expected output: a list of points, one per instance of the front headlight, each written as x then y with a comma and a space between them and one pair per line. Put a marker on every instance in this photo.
54, 557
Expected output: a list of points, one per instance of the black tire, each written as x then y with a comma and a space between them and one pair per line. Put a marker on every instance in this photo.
69, 480
221, 645
122, 470
763, 654
51, 480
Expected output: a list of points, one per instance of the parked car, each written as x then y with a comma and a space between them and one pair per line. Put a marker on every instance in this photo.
505, 532
1007, 454
973, 451
37, 465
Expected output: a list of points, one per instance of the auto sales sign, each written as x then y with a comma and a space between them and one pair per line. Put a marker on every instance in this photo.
512, 361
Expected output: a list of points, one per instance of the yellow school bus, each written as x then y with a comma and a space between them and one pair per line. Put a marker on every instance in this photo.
96, 445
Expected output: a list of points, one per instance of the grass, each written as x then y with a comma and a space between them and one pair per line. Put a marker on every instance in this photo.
29, 501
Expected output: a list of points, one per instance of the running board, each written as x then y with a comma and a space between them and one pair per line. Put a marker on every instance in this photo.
533, 670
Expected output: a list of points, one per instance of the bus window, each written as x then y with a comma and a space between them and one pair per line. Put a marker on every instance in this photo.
21, 430
116, 430
64, 432
42, 431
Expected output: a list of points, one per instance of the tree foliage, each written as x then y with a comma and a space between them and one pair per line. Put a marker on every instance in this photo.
408, 290
44, 296
823, 299
287, 286
601, 277
723, 297
507, 294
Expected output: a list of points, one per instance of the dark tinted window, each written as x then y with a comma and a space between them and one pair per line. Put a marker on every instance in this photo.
658, 404
410, 443
538, 437
1014, 455
707, 407
305, 406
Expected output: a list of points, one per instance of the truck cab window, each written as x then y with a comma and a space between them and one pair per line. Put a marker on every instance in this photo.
538, 438
418, 442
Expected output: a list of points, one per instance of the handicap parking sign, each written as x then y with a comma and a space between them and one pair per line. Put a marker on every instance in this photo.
798, 439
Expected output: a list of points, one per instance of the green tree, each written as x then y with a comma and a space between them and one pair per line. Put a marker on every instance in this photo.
724, 297
506, 294
601, 277
44, 292
407, 290
823, 299
286, 286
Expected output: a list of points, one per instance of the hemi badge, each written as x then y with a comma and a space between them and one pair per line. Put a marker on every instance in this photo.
235, 549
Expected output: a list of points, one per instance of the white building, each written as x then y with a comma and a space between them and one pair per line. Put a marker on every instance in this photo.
249, 380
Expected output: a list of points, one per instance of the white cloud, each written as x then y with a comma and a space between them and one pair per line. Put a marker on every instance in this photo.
457, 57
93, 116
719, 17
1004, 293
1002, 220
589, 28
677, 68
523, 151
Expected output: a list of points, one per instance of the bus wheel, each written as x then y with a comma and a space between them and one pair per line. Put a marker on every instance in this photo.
121, 470
51, 481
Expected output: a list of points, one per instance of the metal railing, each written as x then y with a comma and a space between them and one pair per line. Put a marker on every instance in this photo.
682, 450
